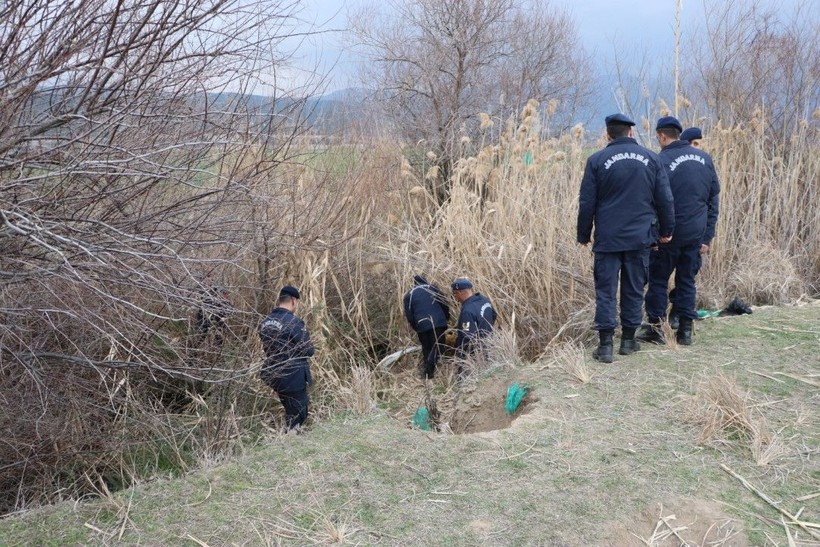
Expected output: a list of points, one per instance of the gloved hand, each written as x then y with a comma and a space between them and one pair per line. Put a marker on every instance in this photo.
450, 337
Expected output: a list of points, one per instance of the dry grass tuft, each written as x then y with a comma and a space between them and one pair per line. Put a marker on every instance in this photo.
361, 392
722, 410
570, 358
766, 448
668, 334
725, 414
499, 350
777, 283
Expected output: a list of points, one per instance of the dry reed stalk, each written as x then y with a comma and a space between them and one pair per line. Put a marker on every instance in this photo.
793, 519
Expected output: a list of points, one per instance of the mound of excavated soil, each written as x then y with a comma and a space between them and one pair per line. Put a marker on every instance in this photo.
481, 407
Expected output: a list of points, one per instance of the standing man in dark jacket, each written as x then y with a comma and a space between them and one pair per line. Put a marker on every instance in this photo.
475, 321
624, 194
695, 188
287, 346
693, 136
428, 313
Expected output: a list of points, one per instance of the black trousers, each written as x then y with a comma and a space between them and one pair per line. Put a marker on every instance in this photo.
431, 342
296, 407
685, 261
627, 269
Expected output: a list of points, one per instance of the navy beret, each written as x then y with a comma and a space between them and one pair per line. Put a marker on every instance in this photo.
691, 134
668, 121
461, 283
289, 290
618, 119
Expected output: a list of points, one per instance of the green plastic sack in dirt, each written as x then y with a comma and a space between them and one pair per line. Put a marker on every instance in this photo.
421, 418
515, 394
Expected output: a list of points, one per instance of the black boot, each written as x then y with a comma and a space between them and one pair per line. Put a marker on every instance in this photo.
628, 343
603, 352
674, 319
652, 332
684, 333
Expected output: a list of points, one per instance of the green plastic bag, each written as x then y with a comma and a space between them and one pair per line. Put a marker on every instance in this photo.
421, 418
515, 394
707, 313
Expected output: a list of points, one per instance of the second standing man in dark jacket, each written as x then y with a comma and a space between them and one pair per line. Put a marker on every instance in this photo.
696, 190
624, 194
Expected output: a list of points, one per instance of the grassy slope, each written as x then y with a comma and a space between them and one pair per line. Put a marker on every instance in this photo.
598, 468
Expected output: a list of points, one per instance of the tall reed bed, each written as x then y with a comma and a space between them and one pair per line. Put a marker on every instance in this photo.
509, 224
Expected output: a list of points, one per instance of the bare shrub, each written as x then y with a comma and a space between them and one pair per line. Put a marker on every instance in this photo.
751, 55
437, 65
125, 189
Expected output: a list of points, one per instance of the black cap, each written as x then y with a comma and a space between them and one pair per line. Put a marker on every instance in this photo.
618, 119
419, 279
289, 290
691, 134
461, 283
668, 121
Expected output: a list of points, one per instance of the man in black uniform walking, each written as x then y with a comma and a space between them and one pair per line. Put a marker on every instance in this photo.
287, 346
475, 321
428, 313
624, 194
695, 188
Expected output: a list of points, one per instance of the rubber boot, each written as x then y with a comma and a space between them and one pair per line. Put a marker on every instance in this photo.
684, 332
651, 333
603, 352
628, 343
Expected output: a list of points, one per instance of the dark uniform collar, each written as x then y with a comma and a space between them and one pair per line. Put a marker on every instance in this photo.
622, 140
676, 144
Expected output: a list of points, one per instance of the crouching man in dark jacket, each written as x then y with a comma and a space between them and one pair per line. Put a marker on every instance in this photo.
287, 347
427, 312
475, 322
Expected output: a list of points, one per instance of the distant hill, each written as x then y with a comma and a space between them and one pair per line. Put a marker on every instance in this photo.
330, 113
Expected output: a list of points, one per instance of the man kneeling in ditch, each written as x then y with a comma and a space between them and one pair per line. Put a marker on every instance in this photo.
475, 321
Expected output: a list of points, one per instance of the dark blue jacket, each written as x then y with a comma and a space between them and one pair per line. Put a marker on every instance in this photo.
287, 346
695, 188
475, 321
425, 308
624, 193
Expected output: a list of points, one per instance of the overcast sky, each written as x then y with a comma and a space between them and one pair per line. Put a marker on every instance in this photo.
636, 26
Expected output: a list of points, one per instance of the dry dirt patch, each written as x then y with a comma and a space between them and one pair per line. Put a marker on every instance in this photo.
680, 521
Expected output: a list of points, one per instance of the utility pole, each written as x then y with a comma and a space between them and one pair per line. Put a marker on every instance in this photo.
678, 9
